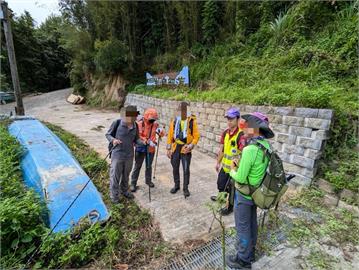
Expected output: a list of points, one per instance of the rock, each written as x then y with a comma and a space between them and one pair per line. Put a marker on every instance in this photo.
306, 112
293, 120
331, 200
325, 114
300, 131
302, 161
325, 186
317, 123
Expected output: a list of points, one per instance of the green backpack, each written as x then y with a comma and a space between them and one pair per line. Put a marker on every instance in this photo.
273, 185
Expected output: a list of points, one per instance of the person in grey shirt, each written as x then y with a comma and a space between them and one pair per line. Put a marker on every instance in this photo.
122, 136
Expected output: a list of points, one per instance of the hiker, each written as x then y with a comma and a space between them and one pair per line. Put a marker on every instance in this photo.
232, 143
248, 175
122, 135
182, 137
148, 129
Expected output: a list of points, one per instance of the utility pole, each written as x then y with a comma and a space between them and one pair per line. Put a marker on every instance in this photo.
5, 17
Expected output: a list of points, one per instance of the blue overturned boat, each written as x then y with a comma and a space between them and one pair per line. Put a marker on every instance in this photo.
49, 167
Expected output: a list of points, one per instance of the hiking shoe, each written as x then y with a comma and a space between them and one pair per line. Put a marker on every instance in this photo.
186, 193
151, 184
128, 195
232, 262
214, 198
174, 190
226, 211
133, 188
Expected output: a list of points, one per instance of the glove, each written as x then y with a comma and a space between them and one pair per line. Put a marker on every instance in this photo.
159, 130
151, 143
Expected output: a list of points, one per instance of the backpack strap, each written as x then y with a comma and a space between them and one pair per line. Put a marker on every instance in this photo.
117, 124
191, 126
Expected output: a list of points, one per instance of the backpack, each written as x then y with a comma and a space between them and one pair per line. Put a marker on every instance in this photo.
113, 134
274, 183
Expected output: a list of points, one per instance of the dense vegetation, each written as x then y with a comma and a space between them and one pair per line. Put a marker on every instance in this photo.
129, 237
41, 60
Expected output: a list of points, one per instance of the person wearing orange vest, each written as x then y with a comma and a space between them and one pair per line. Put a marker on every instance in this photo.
148, 128
182, 137
232, 141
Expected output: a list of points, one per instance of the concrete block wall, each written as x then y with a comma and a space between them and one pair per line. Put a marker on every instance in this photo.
300, 133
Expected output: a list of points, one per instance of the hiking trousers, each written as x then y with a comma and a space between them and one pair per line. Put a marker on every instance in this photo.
245, 217
176, 159
119, 177
225, 184
139, 158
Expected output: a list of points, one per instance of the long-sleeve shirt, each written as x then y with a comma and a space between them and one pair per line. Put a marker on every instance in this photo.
128, 135
252, 166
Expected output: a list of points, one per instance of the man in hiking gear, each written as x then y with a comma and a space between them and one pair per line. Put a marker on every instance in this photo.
148, 129
122, 135
232, 143
251, 170
182, 137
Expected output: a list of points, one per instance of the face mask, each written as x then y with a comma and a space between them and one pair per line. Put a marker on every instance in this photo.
151, 121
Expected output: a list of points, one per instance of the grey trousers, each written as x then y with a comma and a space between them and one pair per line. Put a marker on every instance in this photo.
245, 217
119, 176
139, 158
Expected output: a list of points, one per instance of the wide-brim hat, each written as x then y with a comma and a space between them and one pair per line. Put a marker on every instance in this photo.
259, 120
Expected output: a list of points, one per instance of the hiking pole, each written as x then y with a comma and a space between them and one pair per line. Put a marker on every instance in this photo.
158, 148
68, 208
147, 167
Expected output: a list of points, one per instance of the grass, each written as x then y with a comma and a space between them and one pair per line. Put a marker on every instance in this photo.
340, 225
306, 221
130, 237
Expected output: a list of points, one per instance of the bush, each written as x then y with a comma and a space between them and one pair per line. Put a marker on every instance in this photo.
21, 212
111, 56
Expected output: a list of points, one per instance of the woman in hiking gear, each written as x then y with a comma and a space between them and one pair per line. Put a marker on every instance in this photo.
148, 129
182, 137
232, 141
122, 135
251, 170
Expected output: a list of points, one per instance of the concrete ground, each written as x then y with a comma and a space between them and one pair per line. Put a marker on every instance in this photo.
179, 219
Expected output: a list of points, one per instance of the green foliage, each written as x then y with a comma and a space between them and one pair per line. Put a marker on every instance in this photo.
340, 225
343, 174
40, 58
210, 25
110, 56
319, 259
22, 225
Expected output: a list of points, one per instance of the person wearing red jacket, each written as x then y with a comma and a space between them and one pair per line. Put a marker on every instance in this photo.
148, 129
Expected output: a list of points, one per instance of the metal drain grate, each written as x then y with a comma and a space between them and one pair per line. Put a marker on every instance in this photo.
208, 256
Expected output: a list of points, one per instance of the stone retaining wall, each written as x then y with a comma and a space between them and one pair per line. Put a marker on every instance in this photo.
300, 133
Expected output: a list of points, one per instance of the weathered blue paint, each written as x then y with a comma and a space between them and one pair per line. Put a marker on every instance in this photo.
49, 167
173, 78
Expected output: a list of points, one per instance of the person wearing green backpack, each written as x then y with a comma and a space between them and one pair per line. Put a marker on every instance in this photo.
249, 174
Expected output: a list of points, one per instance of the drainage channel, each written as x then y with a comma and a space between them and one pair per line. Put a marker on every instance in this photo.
208, 256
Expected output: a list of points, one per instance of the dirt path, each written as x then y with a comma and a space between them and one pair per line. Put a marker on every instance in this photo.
179, 219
